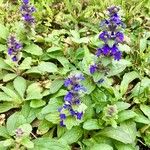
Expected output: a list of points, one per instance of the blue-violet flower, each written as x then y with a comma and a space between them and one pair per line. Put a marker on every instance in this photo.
14, 47
111, 27
27, 11
72, 98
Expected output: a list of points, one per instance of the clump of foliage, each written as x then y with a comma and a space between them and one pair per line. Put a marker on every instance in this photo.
74, 75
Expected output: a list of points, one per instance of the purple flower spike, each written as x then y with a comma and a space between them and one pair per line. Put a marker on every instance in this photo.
14, 47
111, 33
72, 98
27, 13
93, 68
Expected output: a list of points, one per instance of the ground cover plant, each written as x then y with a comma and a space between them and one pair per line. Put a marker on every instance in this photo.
74, 75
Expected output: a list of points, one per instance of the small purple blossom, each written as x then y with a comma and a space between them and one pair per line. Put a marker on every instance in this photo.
69, 96
79, 115
105, 49
114, 49
19, 132
78, 88
72, 112
67, 82
27, 13
117, 55
104, 36
62, 116
119, 37
93, 68
101, 81
25, 1
62, 123
14, 47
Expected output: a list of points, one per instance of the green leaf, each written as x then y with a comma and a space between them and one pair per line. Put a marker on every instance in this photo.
8, 77
47, 67
29, 113
10, 92
37, 103
117, 134
34, 91
89, 85
130, 128
124, 48
60, 131
14, 121
43, 127
60, 93
20, 85
6, 106
49, 144
64, 61
3, 132
52, 49
140, 87
97, 76
101, 146
118, 66
53, 117
127, 78
122, 105
5, 97
98, 96
56, 85
27, 143
143, 44
33, 70
33, 49
72, 136
126, 115
70, 122
91, 124
26, 128
146, 110
52, 106
3, 47
3, 65
26, 64
4, 32
7, 143
121, 146
142, 119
